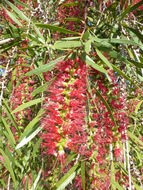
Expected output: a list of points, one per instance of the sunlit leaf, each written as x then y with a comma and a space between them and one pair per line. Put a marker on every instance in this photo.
134, 138
31, 125
56, 28
27, 139
11, 137
90, 62
8, 165
138, 106
12, 16
67, 178
28, 104
36, 180
46, 67
20, 13
104, 59
67, 44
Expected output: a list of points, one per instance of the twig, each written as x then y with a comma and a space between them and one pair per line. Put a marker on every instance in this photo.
124, 94
111, 152
124, 153
6, 41
128, 161
8, 184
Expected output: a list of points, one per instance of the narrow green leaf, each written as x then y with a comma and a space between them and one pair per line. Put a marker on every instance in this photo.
36, 180
70, 158
98, 42
56, 28
124, 41
122, 74
67, 181
12, 16
136, 63
24, 17
9, 113
108, 42
41, 38
138, 106
116, 185
104, 59
74, 19
8, 138
130, 9
20, 13
36, 148
22, 4
69, 4
90, 62
40, 89
113, 175
107, 106
67, 178
67, 44
43, 87
92, 96
31, 125
28, 104
134, 138
11, 137
83, 174
88, 46
135, 31
10, 155
8, 165
46, 67
137, 186
26, 140
3, 183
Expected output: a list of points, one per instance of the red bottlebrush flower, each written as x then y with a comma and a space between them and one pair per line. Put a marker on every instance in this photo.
65, 12
24, 44
117, 152
21, 93
78, 183
24, 180
135, 2
65, 109
5, 16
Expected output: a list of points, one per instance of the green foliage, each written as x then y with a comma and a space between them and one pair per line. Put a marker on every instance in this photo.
109, 39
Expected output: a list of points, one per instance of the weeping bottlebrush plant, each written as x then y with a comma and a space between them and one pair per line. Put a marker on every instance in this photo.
71, 95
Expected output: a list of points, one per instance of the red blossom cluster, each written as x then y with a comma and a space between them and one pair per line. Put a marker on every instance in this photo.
69, 10
77, 120
84, 112
65, 105
22, 91
66, 108
5, 16
106, 131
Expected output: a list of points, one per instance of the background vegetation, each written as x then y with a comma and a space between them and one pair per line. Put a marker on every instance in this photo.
71, 98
